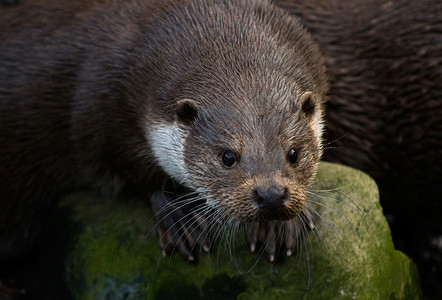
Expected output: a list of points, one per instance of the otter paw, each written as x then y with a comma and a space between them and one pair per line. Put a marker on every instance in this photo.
275, 236
179, 225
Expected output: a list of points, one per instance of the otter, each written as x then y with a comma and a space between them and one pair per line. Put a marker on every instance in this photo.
223, 100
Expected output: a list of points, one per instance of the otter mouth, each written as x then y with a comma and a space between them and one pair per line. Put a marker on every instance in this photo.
282, 214
289, 211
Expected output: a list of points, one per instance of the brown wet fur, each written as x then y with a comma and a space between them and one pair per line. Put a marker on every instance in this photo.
384, 113
82, 83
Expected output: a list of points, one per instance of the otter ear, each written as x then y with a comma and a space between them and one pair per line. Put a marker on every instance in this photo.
308, 104
186, 111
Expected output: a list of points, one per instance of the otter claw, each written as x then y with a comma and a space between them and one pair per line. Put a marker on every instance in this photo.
263, 234
273, 236
179, 228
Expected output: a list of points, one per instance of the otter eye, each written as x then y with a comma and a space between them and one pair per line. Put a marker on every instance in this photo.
292, 156
229, 158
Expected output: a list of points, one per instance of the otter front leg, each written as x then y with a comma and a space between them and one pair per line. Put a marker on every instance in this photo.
278, 235
180, 225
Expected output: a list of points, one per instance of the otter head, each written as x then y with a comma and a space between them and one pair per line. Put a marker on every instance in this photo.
251, 159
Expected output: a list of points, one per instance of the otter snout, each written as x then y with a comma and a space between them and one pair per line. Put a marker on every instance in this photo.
270, 199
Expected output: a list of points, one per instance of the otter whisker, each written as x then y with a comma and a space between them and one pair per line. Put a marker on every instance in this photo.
324, 221
321, 193
230, 239
299, 235
184, 226
333, 191
308, 219
175, 205
205, 225
238, 227
219, 229
338, 138
307, 253
211, 217
342, 149
331, 202
171, 207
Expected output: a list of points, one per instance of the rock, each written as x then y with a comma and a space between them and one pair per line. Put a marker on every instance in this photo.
116, 255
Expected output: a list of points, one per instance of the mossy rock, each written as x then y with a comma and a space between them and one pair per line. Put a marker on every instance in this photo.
351, 256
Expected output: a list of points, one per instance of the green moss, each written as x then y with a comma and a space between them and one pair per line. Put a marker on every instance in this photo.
352, 256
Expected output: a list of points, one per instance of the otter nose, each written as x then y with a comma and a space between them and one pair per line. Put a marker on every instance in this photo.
271, 199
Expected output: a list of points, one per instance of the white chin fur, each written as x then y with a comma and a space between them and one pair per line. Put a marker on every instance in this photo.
167, 142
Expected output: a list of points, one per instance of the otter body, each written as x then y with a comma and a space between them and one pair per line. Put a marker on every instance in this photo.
222, 97
75, 79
